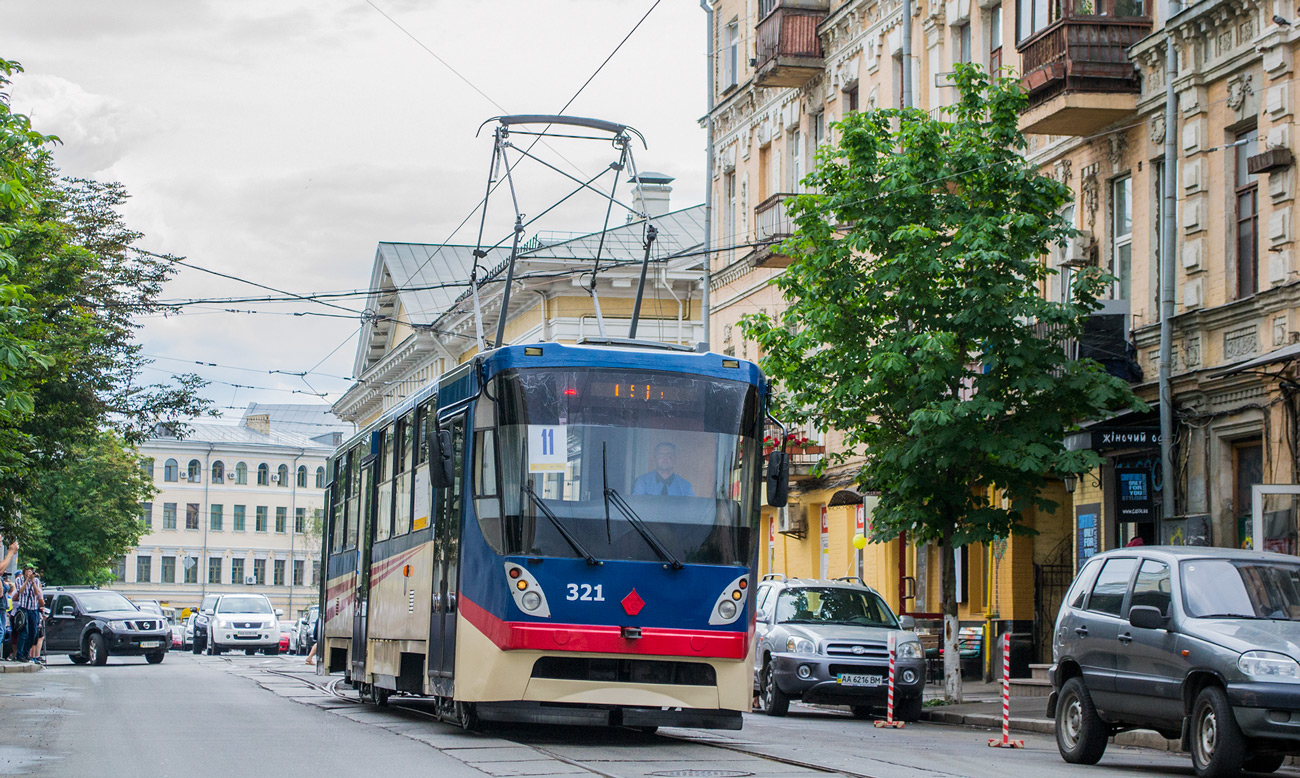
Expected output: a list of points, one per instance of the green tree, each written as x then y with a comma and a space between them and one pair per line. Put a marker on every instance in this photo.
83, 515
915, 324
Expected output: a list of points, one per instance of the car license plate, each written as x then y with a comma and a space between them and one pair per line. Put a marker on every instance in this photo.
860, 680
150, 643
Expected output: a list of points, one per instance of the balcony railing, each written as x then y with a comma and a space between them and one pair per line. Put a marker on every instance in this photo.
1085, 50
772, 224
789, 51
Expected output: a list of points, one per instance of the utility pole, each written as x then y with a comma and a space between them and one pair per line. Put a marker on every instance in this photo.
1168, 240
708, 177
907, 54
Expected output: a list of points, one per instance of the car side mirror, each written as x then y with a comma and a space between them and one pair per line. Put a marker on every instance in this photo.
67, 610
442, 470
1147, 617
907, 623
279, 612
206, 611
778, 479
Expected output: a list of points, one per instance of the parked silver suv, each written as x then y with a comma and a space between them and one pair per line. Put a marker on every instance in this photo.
827, 641
1199, 644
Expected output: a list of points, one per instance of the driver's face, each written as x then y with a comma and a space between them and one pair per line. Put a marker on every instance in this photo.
665, 459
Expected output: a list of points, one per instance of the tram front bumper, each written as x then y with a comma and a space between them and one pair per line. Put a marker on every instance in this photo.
605, 716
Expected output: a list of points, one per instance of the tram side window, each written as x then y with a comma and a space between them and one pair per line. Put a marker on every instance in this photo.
406, 475
487, 502
336, 506
384, 508
457, 428
422, 489
354, 495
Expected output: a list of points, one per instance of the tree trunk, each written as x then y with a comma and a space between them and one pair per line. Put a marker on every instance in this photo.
948, 605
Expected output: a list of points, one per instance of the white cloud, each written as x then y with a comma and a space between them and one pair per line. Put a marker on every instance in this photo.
96, 130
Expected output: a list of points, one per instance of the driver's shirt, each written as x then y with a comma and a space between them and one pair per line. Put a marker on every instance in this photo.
673, 486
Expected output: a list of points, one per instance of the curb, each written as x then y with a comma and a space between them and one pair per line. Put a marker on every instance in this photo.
1046, 726
19, 667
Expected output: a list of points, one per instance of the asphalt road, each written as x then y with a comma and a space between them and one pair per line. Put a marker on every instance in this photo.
218, 717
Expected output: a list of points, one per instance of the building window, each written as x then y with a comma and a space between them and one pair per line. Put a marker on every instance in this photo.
1121, 256
263, 475
259, 572
191, 515
1247, 471
241, 473
302, 476
218, 472
995, 40
282, 475
195, 472
851, 98
190, 566
731, 57
299, 520
168, 569
119, 570
146, 467
214, 570
1033, 16
281, 518
1247, 191
277, 572
237, 571
298, 569
171, 470
146, 514
143, 569
214, 518
961, 43
320, 478
729, 223
238, 520
315, 572
169, 515
260, 521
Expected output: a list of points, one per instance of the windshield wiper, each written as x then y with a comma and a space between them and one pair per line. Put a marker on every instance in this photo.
1231, 616
612, 495
564, 532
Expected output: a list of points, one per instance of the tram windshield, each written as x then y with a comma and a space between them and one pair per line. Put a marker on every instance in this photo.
557, 450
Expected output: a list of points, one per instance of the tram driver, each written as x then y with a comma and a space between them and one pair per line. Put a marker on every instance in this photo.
663, 480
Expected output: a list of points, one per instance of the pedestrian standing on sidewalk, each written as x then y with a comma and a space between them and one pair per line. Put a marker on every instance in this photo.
29, 602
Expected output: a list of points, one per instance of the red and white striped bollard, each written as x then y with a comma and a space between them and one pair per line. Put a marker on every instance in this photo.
889, 701
1006, 741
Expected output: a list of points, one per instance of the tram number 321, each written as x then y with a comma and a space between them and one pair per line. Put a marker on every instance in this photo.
586, 592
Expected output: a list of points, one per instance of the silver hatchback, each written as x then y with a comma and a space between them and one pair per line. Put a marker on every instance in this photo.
1200, 644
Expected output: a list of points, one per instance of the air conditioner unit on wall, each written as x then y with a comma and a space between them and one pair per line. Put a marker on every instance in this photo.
275, 479
249, 580
792, 522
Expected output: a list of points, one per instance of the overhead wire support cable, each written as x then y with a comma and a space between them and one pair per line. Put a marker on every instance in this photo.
617, 167
501, 134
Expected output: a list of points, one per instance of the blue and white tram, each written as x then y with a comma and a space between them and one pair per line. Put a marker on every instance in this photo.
557, 534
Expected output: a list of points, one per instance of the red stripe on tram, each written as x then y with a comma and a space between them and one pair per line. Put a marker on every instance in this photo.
602, 639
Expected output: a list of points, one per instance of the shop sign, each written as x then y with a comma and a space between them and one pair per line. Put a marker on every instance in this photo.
1135, 500
1087, 523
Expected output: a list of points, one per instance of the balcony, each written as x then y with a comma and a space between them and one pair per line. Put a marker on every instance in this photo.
789, 51
772, 224
1077, 70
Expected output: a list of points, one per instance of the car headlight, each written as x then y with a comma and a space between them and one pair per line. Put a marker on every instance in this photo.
909, 650
221, 624
1269, 665
796, 645
118, 626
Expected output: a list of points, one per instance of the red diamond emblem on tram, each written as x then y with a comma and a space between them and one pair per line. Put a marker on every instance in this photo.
633, 603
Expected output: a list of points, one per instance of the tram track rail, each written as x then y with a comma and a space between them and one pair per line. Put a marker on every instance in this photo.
397, 705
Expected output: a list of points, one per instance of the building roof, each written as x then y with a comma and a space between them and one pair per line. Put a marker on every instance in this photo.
239, 435
311, 420
679, 232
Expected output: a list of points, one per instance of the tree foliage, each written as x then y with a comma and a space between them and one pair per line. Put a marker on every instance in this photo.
916, 326
82, 516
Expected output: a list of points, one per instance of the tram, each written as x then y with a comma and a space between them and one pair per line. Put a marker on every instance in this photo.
556, 534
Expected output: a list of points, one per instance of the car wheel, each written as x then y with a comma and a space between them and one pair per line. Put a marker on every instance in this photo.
861, 711
907, 709
154, 659
1080, 733
214, 649
96, 650
1263, 763
196, 647
1218, 748
771, 699
77, 659
250, 651
275, 651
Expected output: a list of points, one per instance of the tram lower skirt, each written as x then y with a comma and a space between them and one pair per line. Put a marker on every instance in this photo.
601, 716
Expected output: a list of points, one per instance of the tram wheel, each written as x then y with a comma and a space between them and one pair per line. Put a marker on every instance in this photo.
466, 716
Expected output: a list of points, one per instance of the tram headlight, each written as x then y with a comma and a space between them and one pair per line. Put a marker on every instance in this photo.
525, 590
730, 603
531, 600
727, 609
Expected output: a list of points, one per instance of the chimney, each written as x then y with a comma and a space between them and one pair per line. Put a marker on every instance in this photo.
258, 422
652, 196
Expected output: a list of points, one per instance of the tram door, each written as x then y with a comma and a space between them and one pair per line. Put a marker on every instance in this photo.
361, 609
446, 569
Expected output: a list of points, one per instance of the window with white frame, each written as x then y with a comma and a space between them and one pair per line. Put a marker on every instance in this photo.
731, 56
1121, 235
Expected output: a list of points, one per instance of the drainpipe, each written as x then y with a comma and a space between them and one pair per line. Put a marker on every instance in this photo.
293, 528
708, 174
1168, 239
207, 510
907, 54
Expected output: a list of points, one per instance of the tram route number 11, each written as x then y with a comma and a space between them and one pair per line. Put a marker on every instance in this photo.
586, 592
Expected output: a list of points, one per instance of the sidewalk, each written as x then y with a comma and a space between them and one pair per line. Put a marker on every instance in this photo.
1028, 714
18, 667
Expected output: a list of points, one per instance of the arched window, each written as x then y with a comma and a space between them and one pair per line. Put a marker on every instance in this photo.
320, 478
171, 470
241, 473
218, 472
263, 475
282, 475
195, 473
302, 476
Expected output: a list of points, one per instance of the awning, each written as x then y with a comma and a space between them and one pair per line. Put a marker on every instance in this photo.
1283, 354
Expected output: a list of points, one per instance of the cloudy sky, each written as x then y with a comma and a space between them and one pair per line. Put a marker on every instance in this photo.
280, 140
